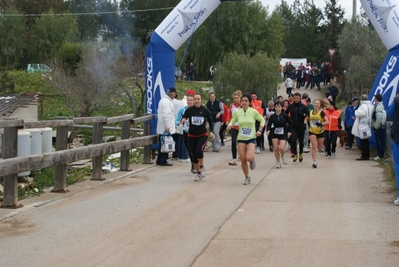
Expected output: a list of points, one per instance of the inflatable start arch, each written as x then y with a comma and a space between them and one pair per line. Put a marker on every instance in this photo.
188, 15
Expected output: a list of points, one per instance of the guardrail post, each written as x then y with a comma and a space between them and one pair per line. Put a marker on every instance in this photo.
97, 162
125, 154
60, 171
10, 182
147, 149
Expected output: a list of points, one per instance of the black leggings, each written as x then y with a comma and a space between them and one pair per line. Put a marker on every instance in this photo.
330, 142
234, 134
223, 127
197, 145
297, 135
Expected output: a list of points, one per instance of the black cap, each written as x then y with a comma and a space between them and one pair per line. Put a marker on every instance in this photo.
171, 90
304, 95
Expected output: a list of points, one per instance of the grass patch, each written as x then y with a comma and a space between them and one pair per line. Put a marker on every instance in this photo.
389, 173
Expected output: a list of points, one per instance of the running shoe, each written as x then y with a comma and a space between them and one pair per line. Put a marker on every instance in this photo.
333, 155
305, 150
257, 150
284, 160
197, 177
271, 149
278, 165
314, 165
252, 165
233, 163
328, 157
203, 172
193, 170
348, 148
247, 180
300, 157
295, 158
396, 202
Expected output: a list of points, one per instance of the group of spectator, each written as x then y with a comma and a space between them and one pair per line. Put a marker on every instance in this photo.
304, 76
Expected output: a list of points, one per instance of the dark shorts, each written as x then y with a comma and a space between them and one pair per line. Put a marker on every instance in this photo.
321, 135
250, 141
279, 136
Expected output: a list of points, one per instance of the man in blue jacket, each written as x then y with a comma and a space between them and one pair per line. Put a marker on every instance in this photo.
349, 120
393, 112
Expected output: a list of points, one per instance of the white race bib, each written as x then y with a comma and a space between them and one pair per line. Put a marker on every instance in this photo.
279, 130
197, 120
246, 132
314, 123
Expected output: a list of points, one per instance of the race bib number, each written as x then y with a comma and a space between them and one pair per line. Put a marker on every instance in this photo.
314, 123
197, 120
246, 132
279, 130
186, 125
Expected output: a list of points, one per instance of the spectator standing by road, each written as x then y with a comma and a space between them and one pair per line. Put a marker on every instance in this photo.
191, 71
332, 92
217, 110
165, 123
349, 120
288, 85
364, 113
393, 112
246, 117
376, 124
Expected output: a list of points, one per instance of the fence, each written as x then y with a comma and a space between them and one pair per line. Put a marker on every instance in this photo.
12, 165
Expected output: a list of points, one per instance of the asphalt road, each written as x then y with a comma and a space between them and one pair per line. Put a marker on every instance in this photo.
340, 214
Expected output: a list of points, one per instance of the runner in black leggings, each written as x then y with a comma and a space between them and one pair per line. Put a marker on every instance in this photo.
197, 117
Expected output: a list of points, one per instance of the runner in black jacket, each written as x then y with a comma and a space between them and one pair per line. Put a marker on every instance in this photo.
297, 112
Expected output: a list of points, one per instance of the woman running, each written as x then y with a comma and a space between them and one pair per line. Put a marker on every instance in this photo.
236, 105
317, 120
198, 116
246, 117
277, 128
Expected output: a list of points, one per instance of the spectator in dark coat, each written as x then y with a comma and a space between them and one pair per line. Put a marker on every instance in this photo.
332, 92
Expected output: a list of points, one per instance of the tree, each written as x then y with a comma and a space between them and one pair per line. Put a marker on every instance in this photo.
89, 89
141, 24
12, 30
362, 52
334, 15
48, 35
242, 72
88, 24
250, 31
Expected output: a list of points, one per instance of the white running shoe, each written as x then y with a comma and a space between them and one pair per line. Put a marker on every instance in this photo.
203, 172
314, 165
328, 156
252, 165
333, 155
197, 177
257, 150
184, 160
278, 165
247, 180
396, 202
377, 158
284, 160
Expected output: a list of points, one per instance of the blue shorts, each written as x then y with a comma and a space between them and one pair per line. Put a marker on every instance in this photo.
250, 141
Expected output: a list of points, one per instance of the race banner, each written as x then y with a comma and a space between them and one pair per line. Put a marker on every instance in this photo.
384, 15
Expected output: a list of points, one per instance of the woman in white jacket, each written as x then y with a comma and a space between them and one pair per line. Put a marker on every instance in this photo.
363, 113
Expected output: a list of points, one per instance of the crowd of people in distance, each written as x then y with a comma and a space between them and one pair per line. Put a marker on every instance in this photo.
293, 124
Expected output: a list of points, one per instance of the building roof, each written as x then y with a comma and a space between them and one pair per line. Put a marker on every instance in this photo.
9, 103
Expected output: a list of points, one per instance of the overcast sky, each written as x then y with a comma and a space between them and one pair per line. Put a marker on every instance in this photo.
346, 4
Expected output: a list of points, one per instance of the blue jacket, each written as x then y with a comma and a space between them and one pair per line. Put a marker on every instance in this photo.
349, 118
